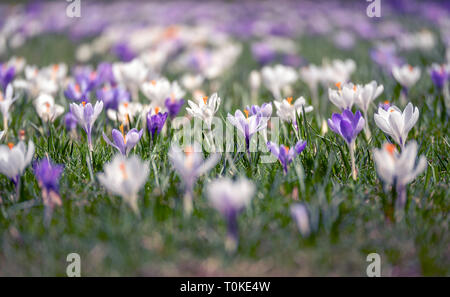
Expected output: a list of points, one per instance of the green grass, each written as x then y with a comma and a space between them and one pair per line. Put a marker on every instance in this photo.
350, 221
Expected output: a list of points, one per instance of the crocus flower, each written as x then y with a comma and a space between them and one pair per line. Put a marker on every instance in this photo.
440, 75
155, 122
247, 125
301, 216
204, 109
385, 105
47, 109
366, 95
157, 91
406, 76
6, 100
6, 75
230, 198
285, 154
278, 77
345, 96
112, 96
192, 82
14, 159
348, 126
78, 92
132, 74
396, 123
288, 110
398, 170
124, 143
1, 134
126, 112
173, 106
70, 121
125, 177
86, 116
48, 175
311, 75
190, 166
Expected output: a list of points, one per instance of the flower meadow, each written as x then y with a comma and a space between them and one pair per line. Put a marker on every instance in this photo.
194, 138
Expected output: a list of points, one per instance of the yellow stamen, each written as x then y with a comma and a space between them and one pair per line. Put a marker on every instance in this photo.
338, 85
205, 99
84, 103
10, 145
123, 170
246, 113
289, 100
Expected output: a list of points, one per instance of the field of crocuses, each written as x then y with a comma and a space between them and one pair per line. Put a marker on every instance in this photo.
224, 138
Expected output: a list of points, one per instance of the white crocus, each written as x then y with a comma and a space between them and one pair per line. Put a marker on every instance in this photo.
14, 159
366, 95
6, 100
406, 75
192, 82
398, 170
204, 109
312, 75
125, 177
345, 96
132, 75
157, 91
301, 216
47, 109
396, 123
230, 198
1, 134
126, 112
337, 71
288, 111
190, 166
278, 78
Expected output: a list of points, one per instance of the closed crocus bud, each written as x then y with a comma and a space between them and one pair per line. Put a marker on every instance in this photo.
301, 216
255, 80
230, 198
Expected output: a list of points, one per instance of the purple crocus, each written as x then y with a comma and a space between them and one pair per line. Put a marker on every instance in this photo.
124, 142
86, 114
173, 106
348, 125
77, 92
285, 154
440, 74
247, 125
112, 96
105, 73
48, 175
6, 75
155, 122
70, 121
123, 52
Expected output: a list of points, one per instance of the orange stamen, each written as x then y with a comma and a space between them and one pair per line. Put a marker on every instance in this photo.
123, 134
153, 82
123, 169
125, 104
188, 150
156, 110
22, 133
10, 145
84, 103
386, 102
354, 88
390, 148
246, 113
77, 88
338, 85
286, 148
55, 67
205, 99
289, 100
410, 68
